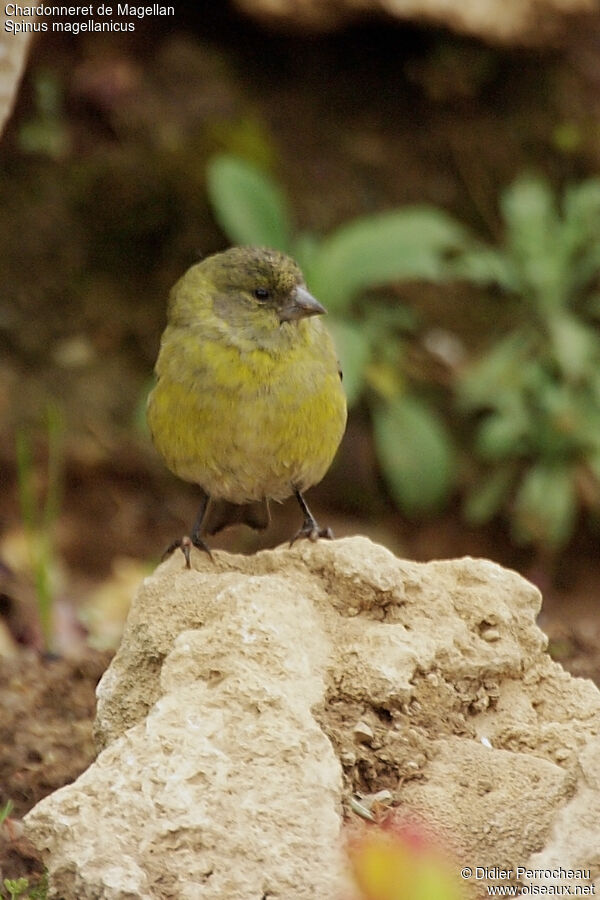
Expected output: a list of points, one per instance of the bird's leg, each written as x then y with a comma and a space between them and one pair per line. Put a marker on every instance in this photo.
196, 538
310, 527
185, 543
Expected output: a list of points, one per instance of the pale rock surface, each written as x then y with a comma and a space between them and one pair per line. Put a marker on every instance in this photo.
505, 21
14, 48
251, 696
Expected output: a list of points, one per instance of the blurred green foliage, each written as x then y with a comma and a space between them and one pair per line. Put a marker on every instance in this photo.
402, 860
530, 404
414, 449
5, 811
535, 394
40, 519
20, 888
46, 132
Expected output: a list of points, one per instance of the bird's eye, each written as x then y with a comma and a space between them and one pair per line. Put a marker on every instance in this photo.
261, 293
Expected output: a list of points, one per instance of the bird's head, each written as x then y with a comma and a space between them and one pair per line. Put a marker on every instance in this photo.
245, 288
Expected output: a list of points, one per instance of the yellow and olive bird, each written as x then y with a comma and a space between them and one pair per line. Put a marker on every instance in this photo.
248, 402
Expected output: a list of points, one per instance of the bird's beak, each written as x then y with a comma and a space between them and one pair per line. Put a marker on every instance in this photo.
300, 304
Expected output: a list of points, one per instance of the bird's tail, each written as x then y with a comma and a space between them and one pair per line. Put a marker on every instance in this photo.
221, 513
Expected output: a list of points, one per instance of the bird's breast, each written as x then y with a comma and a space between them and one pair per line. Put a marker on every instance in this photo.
249, 422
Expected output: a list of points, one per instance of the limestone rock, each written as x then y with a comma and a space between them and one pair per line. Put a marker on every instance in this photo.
506, 21
252, 696
14, 47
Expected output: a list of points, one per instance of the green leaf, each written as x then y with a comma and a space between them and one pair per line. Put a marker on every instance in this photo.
575, 345
409, 243
16, 886
353, 347
40, 891
533, 240
495, 379
249, 206
503, 434
5, 811
415, 454
545, 506
581, 214
489, 495
531, 216
304, 249
485, 266
580, 229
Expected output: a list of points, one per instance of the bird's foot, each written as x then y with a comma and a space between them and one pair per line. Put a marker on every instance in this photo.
185, 544
310, 528
312, 531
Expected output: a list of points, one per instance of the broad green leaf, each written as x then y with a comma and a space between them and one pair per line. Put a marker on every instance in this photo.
485, 266
493, 380
248, 205
503, 434
409, 243
415, 454
529, 209
579, 233
353, 347
575, 346
304, 249
533, 240
570, 424
581, 207
545, 506
489, 495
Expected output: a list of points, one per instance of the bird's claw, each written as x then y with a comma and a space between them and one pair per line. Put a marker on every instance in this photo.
186, 549
312, 531
185, 544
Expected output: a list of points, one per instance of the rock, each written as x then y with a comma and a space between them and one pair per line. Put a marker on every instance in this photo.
363, 732
227, 722
505, 21
14, 47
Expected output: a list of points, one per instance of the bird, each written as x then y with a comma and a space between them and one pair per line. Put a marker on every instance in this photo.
248, 402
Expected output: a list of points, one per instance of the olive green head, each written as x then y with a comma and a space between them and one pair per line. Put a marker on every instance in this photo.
243, 287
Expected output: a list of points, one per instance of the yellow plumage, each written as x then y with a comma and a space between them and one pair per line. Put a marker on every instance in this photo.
248, 402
